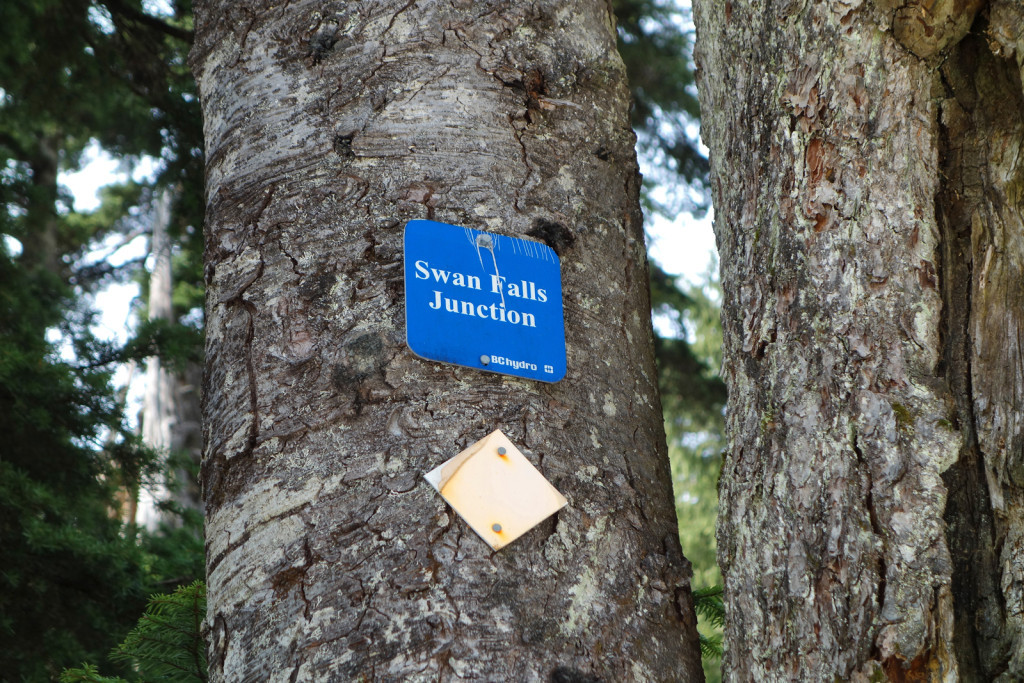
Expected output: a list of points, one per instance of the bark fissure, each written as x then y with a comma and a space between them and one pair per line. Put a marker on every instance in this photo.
981, 654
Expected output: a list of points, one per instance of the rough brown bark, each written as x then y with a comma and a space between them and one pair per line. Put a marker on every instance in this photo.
329, 558
867, 170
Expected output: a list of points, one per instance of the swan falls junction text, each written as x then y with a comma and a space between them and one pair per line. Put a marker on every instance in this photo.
524, 289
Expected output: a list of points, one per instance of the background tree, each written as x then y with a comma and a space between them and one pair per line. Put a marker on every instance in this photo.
73, 578
170, 407
688, 352
695, 421
656, 43
866, 164
327, 130
68, 580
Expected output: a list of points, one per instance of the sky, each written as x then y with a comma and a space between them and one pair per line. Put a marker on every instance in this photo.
115, 301
684, 247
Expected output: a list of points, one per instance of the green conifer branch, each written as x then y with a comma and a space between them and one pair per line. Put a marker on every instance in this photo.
166, 645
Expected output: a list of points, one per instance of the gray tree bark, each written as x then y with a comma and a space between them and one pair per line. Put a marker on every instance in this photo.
867, 171
329, 558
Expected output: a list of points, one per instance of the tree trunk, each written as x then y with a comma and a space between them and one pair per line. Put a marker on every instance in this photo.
170, 405
41, 241
329, 558
867, 173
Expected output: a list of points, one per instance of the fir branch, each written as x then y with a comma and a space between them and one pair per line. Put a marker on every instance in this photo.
710, 646
167, 644
87, 674
708, 604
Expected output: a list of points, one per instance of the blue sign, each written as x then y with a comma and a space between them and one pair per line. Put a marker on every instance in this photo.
484, 301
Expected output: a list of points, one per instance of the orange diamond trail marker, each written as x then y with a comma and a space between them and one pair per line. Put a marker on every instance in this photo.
496, 490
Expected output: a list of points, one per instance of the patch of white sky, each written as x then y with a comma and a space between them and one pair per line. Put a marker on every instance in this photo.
99, 169
683, 245
100, 15
101, 19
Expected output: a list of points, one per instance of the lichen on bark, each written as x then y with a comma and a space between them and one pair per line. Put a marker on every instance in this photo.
856, 315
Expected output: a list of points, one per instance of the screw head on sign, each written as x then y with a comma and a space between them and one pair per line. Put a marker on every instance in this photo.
501, 450
485, 359
496, 528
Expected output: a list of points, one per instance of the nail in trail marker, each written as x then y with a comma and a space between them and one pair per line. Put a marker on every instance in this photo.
484, 301
496, 490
